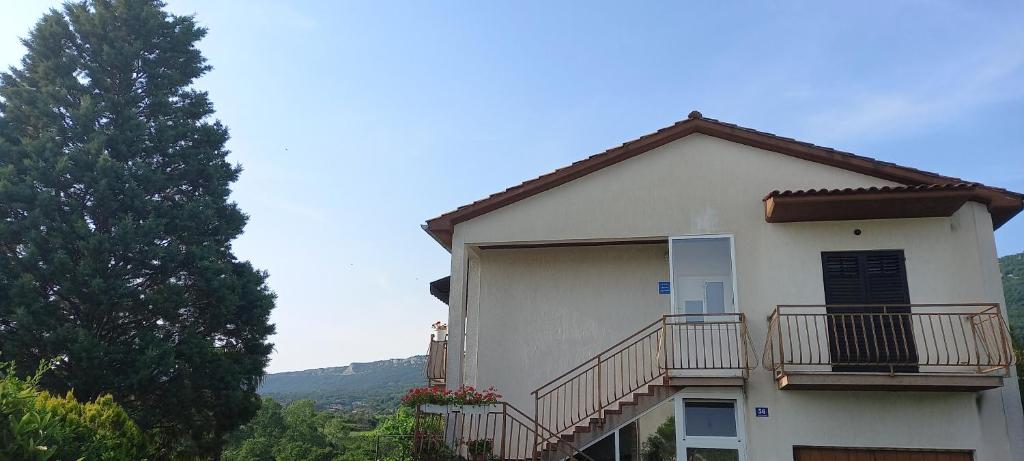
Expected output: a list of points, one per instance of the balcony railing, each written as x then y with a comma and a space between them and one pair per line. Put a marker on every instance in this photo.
692, 347
918, 342
437, 361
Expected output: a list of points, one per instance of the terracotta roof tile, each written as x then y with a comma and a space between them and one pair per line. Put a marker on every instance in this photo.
869, 190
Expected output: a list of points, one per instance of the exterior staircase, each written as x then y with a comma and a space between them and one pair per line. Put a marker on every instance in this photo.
620, 383
596, 397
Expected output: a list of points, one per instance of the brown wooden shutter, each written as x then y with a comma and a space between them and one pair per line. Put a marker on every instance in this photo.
844, 278
871, 287
886, 278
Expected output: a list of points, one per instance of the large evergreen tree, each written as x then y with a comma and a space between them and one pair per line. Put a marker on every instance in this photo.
116, 226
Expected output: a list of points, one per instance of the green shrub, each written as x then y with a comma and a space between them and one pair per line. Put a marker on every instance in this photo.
38, 426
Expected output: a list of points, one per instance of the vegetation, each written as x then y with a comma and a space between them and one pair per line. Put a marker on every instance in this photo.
38, 426
1012, 268
298, 431
116, 226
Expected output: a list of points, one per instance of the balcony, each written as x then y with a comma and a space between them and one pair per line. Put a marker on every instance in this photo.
437, 361
924, 347
706, 349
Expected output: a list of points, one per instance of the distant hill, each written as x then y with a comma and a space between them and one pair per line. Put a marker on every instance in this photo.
374, 386
1012, 267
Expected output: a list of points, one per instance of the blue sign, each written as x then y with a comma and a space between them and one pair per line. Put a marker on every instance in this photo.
761, 412
664, 288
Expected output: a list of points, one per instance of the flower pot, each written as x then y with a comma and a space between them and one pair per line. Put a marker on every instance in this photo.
433, 408
475, 409
440, 334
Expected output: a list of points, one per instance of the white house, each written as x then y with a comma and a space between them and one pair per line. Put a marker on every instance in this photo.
730, 294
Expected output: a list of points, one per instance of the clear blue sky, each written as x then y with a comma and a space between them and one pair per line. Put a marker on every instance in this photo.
355, 122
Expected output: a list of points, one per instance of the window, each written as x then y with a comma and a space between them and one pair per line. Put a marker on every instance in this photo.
694, 306
603, 450
712, 454
712, 419
711, 430
714, 297
656, 433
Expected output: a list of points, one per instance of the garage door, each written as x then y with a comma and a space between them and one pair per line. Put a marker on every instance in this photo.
862, 454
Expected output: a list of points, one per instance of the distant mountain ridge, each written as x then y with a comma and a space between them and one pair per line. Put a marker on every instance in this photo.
372, 386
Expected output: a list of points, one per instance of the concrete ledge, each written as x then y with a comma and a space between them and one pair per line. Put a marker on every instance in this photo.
833, 381
706, 381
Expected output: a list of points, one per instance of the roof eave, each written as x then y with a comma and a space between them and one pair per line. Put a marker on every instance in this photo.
436, 231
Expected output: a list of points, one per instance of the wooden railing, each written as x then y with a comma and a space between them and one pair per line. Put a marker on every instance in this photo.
676, 342
908, 338
498, 432
437, 361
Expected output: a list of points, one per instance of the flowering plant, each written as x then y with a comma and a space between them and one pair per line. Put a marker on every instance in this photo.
464, 395
438, 325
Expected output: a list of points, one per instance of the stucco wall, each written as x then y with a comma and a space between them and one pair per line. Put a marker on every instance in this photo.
523, 299
535, 313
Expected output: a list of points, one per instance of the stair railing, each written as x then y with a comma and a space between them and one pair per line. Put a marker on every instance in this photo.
492, 432
673, 342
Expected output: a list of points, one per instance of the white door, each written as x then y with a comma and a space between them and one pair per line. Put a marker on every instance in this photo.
701, 268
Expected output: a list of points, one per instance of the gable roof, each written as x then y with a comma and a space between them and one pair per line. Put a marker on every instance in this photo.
1002, 204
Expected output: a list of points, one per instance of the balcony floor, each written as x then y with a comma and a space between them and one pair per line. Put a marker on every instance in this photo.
705, 378
835, 381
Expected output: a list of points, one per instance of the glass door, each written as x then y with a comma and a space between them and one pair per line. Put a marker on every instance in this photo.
701, 268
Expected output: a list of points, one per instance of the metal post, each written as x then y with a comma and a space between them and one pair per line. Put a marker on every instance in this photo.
782, 349
600, 395
504, 414
664, 344
416, 436
536, 425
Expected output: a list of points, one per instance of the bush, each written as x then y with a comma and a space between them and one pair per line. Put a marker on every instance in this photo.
38, 426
